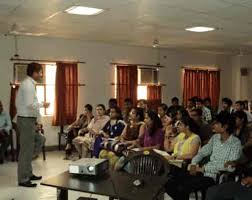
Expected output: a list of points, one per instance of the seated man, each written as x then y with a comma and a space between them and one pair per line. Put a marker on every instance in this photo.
5, 127
172, 110
227, 105
222, 147
78, 127
39, 141
240, 106
205, 130
142, 103
112, 103
206, 112
84, 144
241, 190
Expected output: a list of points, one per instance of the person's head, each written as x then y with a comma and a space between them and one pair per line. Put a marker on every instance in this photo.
175, 101
226, 103
128, 103
239, 105
181, 113
152, 121
199, 103
207, 102
142, 103
88, 109
186, 125
241, 119
1, 107
137, 114
224, 123
190, 103
162, 110
100, 110
196, 114
115, 113
34, 70
112, 102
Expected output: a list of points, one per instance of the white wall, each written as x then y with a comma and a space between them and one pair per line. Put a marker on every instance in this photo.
97, 73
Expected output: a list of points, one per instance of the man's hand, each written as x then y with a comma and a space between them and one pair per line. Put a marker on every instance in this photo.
247, 181
232, 164
194, 169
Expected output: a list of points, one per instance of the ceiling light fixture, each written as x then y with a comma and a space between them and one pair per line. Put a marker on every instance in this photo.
81, 10
200, 29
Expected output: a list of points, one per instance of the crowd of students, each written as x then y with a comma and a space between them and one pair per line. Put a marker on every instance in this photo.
189, 133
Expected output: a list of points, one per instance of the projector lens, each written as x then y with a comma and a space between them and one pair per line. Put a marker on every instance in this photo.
90, 168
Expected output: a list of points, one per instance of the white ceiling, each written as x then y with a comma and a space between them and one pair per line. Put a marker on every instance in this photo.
137, 22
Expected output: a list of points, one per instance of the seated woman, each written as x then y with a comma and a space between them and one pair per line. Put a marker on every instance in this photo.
181, 113
84, 144
79, 127
152, 137
128, 137
187, 143
112, 130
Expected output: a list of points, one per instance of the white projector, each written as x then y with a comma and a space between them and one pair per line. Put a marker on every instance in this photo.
89, 166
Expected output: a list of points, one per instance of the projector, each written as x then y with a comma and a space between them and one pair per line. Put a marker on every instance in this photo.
89, 166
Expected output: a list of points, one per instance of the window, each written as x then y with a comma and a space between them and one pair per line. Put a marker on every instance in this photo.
142, 92
46, 89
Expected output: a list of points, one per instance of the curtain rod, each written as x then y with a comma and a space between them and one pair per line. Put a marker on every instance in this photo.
203, 69
146, 65
48, 61
148, 84
42, 84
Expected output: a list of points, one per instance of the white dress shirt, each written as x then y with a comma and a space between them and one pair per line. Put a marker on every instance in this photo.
27, 102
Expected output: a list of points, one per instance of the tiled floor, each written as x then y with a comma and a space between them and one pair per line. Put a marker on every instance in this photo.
51, 167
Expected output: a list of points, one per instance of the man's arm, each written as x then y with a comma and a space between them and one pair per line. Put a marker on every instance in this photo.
204, 151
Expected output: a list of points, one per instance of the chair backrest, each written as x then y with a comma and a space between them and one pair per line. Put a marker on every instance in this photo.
147, 163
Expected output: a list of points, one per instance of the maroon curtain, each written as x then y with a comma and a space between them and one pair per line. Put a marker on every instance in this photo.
154, 96
126, 84
13, 95
201, 83
66, 94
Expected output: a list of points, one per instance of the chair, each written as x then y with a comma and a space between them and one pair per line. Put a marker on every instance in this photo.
60, 135
86, 198
147, 163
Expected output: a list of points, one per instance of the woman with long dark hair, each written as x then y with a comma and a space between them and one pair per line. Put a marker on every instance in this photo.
153, 136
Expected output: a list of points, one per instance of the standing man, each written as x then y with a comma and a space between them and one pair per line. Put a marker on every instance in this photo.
27, 117
5, 127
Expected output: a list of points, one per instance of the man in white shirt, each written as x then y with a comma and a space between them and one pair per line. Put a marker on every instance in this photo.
240, 106
27, 116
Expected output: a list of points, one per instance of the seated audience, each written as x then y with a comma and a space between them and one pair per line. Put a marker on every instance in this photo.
240, 190
204, 129
169, 139
5, 127
79, 127
187, 143
128, 105
84, 144
40, 140
112, 130
227, 105
142, 103
240, 106
242, 131
112, 103
162, 113
128, 139
190, 106
206, 113
221, 148
172, 110
153, 135
208, 103
180, 114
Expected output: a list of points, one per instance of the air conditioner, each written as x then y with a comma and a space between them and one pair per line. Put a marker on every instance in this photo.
148, 75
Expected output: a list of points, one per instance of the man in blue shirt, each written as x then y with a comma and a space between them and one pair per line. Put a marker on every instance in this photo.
5, 127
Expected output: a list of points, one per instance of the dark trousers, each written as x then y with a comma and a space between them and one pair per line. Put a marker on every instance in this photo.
4, 143
180, 187
228, 191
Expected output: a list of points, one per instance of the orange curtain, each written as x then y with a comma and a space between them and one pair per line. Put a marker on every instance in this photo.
13, 110
126, 84
154, 96
201, 83
66, 94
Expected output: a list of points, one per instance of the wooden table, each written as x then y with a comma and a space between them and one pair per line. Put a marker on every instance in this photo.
116, 185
